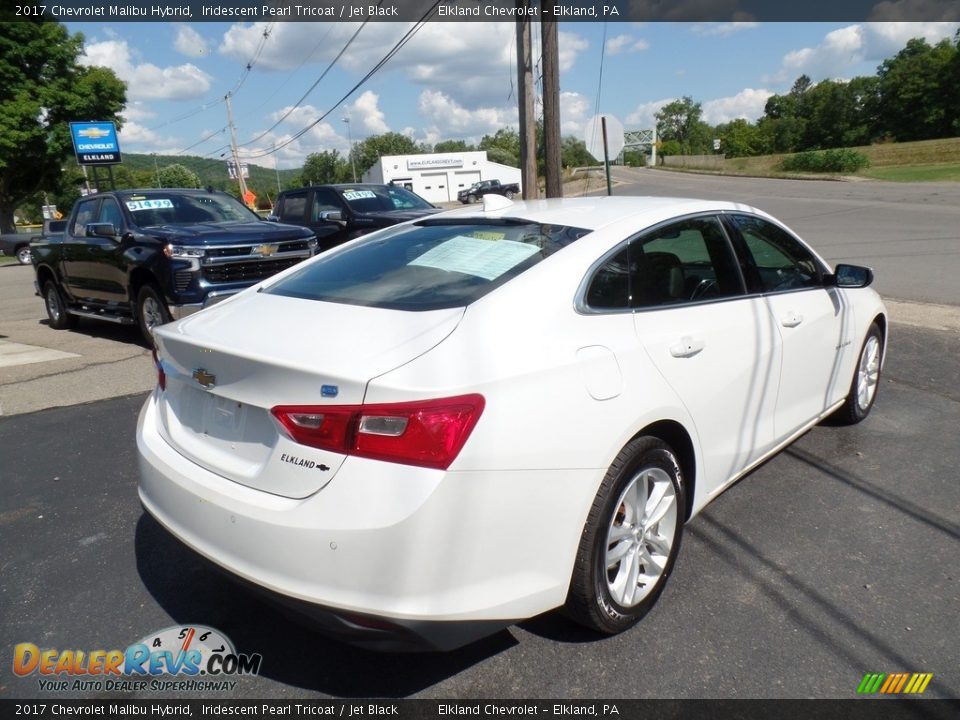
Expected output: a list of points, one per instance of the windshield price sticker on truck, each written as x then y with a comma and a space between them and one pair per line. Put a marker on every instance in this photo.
134, 205
358, 194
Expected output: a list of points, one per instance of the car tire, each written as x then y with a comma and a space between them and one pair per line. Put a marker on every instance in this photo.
56, 307
23, 254
866, 380
471, 199
508, 194
151, 311
632, 534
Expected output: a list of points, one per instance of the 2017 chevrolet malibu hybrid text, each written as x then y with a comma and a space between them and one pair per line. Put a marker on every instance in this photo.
435, 430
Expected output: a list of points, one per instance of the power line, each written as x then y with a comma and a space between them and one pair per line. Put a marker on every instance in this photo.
383, 61
311, 88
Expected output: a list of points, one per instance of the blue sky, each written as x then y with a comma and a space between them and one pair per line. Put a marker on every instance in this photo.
451, 80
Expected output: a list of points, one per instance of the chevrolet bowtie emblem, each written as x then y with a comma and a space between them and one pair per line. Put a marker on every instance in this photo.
265, 250
208, 380
93, 133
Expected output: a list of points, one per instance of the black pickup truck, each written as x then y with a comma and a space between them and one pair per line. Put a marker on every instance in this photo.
18, 244
149, 256
337, 213
476, 191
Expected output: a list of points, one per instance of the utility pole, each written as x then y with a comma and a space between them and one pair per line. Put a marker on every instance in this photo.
528, 125
551, 105
233, 151
353, 163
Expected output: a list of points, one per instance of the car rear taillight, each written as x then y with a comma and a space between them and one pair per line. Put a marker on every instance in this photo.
161, 375
426, 433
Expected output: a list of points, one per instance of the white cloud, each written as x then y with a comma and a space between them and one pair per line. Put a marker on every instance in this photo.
642, 117
722, 29
472, 62
142, 139
190, 43
365, 113
136, 112
569, 46
451, 120
748, 104
841, 50
575, 110
625, 43
146, 81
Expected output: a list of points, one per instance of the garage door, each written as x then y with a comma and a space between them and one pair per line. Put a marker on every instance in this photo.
433, 187
463, 180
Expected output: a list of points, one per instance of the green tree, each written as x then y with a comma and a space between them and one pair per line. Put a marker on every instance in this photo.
504, 146
368, 152
178, 176
573, 153
741, 138
43, 88
914, 88
452, 146
681, 121
325, 167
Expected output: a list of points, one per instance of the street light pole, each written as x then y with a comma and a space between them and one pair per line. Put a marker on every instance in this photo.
353, 164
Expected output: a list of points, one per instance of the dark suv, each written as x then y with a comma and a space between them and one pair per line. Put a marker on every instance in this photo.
337, 213
149, 256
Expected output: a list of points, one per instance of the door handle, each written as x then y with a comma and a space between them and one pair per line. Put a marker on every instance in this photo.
791, 319
687, 347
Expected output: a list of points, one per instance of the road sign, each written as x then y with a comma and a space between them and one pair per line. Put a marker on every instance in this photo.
232, 170
95, 143
593, 137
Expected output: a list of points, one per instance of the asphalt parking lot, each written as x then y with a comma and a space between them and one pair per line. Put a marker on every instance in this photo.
838, 557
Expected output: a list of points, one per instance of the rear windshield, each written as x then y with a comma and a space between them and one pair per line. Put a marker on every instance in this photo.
428, 266
152, 209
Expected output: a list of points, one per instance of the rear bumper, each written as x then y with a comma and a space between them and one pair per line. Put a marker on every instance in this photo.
386, 556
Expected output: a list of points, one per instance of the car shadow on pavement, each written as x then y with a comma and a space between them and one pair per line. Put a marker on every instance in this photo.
187, 588
129, 334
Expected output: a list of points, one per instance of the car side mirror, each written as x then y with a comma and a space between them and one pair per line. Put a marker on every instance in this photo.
330, 216
849, 276
104, 230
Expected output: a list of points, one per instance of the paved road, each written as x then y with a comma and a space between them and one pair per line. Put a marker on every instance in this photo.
908, 232
840, 556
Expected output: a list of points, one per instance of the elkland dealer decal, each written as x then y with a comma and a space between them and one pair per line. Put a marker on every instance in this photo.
174, 659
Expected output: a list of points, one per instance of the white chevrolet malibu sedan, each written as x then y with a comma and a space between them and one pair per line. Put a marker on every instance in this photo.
428, 433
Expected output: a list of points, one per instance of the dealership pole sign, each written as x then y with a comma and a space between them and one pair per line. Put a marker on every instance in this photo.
95, 143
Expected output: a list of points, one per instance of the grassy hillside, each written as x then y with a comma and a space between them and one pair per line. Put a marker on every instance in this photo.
912, 161
210, 172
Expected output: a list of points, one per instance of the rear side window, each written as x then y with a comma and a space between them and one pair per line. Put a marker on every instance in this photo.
427, 266
684, 262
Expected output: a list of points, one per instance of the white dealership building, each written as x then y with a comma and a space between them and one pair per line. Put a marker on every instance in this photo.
438, 177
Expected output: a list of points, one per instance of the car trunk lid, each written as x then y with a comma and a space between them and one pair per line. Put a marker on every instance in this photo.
225, 368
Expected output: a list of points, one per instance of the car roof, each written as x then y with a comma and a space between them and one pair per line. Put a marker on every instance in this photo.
593, 213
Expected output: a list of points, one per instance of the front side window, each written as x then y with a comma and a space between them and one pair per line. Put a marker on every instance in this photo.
777, 261
428, 265
294, 207
110, 213
86, 212
325, 200
683, 262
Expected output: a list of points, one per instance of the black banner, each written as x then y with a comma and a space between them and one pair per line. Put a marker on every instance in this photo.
100, 11
861, 709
